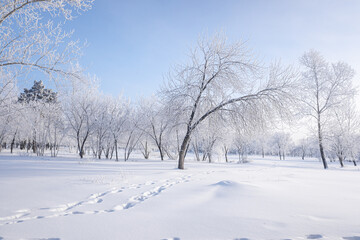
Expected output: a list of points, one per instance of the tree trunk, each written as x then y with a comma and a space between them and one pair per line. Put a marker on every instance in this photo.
107, 152
81, 144
111, 152
100, 153
341, 161
81, 153
28, 145
279, 154
81, 150
146, 151
34, 146
226, 150
239, 154
116, 151
196, 152
183, 150
161, 152
322, 154
12, 143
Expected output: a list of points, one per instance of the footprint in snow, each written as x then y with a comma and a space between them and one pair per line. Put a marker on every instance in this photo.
77, 212
19, 214
95, 201
62, 210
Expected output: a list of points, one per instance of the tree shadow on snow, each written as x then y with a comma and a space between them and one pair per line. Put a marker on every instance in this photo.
314, 236
242, 239
352, 238
49, 239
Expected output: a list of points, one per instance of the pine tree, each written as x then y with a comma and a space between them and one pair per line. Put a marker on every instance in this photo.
40, 102
38, 93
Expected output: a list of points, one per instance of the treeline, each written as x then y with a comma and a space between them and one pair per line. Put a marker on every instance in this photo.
39, 120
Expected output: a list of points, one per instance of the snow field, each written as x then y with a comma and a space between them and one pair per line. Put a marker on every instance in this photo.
64, 198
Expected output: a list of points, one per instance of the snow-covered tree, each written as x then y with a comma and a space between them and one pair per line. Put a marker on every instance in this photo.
32, 37
281, 142
325, 87
203, 142
8, 94
132, 133
154, 122
119, 110
345, 128
241, 144
226, 137
101, 140
38, 92
42, 113
222, 78
303, 148
173, 143
81, 110
8, 108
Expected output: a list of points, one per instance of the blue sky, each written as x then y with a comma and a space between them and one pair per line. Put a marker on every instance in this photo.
133, 44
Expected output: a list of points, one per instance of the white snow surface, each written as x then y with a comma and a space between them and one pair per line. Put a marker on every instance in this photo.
69, 198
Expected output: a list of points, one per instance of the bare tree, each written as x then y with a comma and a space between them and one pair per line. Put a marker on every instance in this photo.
154, 122
345, 128
81, 111
241, 144
102, 133
132, 134
145, 146
325, 86
119, 110
56, 127
222, 78
304, 147
281, 141
173, 140
8, 110
206, 137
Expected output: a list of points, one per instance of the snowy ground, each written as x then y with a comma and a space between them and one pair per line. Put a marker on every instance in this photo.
64, 198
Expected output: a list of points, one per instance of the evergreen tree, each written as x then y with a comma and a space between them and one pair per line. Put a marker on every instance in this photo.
38, 92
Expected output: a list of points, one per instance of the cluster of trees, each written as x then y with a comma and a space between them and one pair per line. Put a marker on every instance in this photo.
211, 121
222, 101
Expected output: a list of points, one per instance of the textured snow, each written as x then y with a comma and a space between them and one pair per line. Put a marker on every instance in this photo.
68, 198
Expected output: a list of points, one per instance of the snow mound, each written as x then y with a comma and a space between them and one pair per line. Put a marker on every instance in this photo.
226, 183
229, 190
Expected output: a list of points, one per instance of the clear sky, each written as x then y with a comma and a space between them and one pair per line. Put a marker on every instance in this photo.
132, 44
